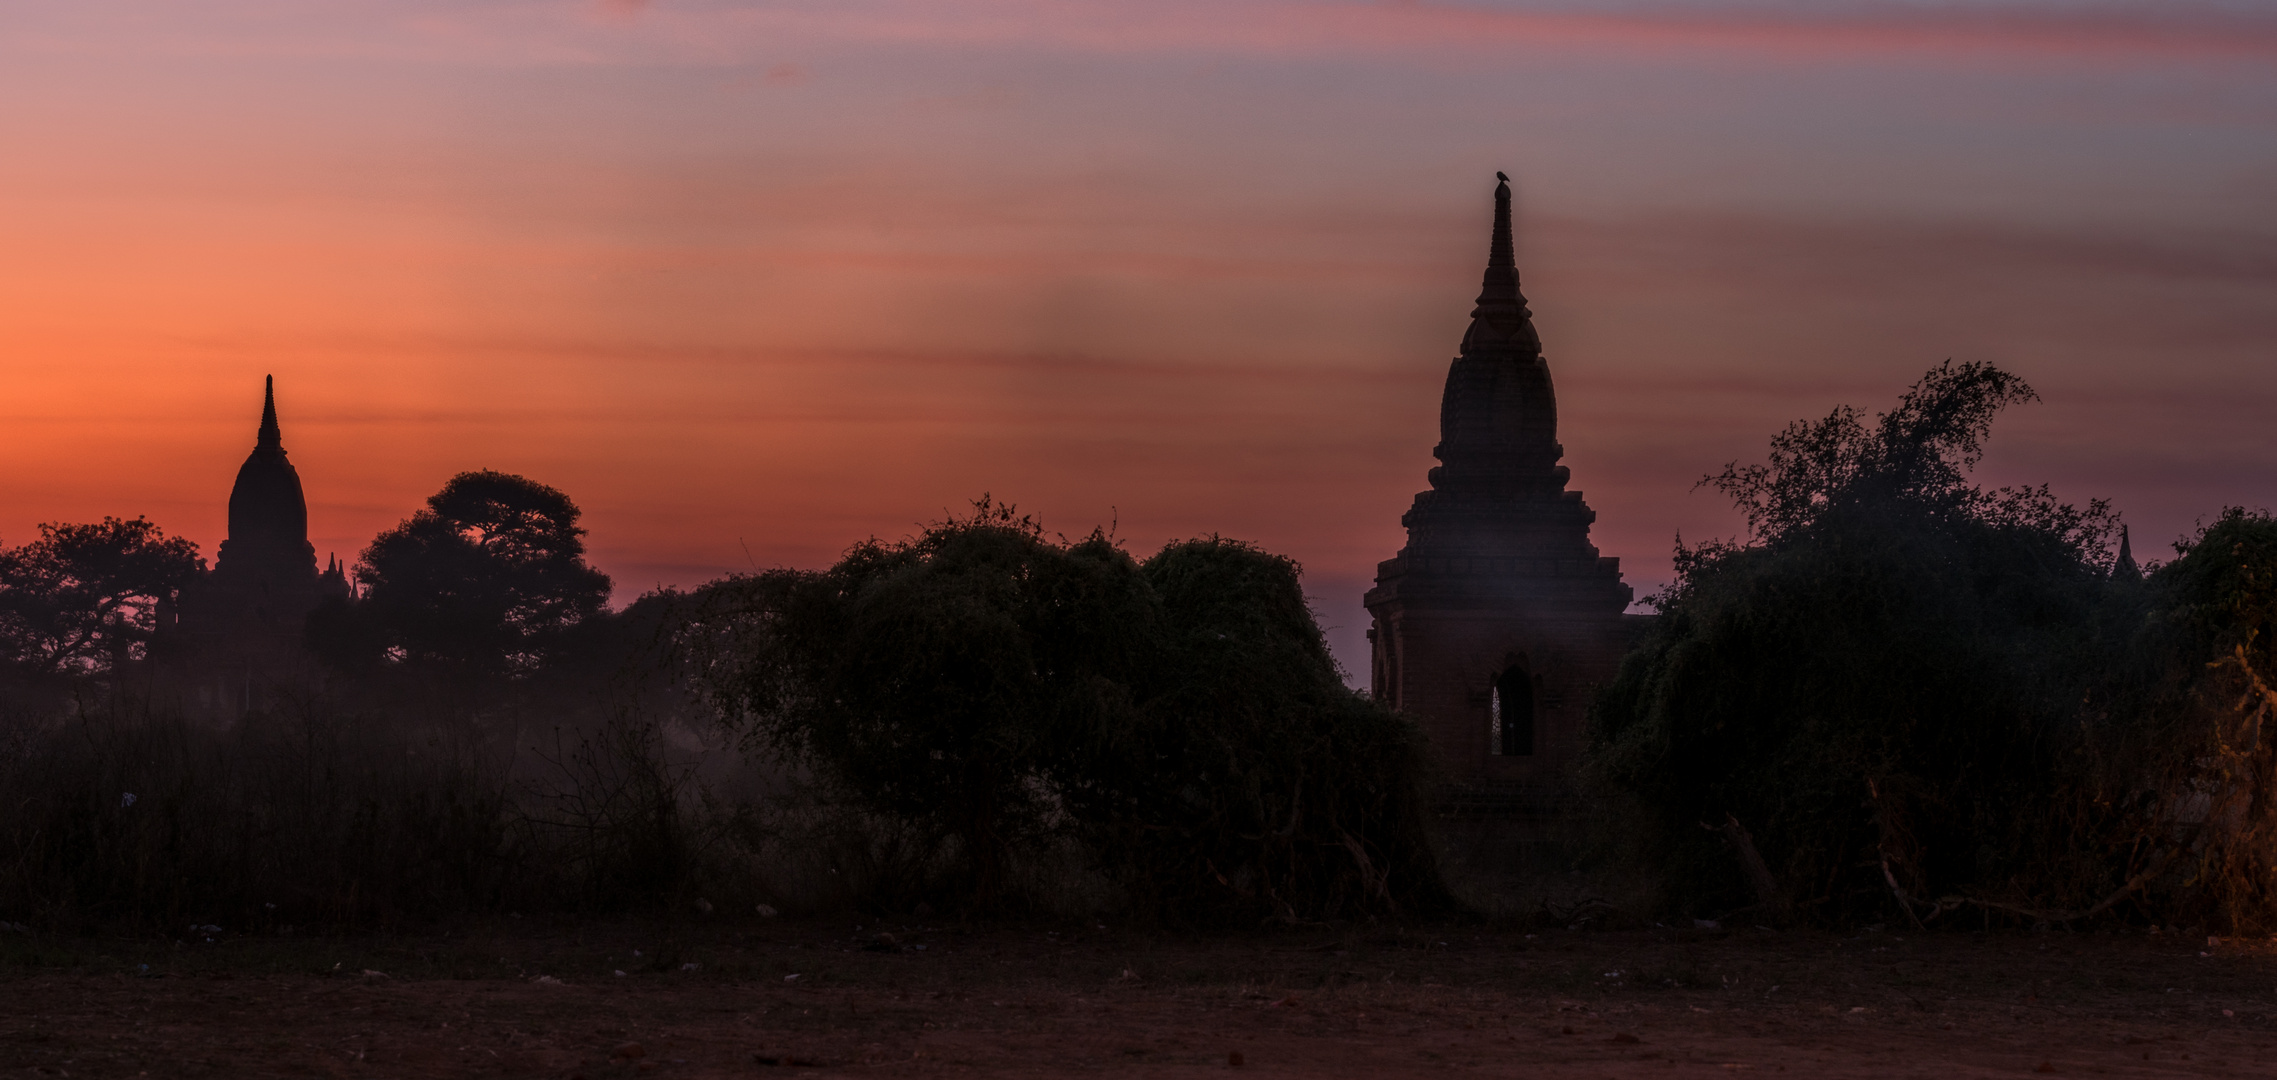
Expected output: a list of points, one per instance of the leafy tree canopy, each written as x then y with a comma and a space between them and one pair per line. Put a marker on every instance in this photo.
1876, 699
487, 577
1178, 720
85, 598
1911, 462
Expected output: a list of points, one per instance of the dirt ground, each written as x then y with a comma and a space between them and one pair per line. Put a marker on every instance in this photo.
809, 998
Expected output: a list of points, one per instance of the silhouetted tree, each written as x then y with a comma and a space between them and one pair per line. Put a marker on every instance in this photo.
1179, 720
85, 598
487, 577
1882, 698
1254, 782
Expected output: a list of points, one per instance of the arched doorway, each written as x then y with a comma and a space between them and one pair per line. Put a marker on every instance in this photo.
1511, 708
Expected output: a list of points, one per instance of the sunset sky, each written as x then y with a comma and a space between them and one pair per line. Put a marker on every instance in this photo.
752, 281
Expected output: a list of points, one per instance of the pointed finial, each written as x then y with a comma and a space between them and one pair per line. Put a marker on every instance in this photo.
2124, 567
1501, 316
1501, 285
270, 438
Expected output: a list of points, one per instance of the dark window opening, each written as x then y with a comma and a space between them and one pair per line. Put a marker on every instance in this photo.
1511, 707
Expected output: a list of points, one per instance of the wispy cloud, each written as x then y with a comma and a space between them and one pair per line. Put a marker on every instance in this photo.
722, 33
1821, 32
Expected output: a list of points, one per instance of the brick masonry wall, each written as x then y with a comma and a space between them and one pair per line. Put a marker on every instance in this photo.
1442, 666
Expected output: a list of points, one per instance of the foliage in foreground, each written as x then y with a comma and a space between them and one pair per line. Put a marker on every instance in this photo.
320, 815
1175, 725
2202, 692
1909, 696
328, 813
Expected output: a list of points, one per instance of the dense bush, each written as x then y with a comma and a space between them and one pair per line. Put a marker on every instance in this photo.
486, 737
2193, 760
508, 752
1176, 726
315, 814
1906, 696
1877, 700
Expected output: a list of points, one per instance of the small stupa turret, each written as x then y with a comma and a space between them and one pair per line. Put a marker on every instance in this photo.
333, 584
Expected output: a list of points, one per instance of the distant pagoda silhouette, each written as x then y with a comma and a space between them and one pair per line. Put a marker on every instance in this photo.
242, 626
1493, 623
268, 549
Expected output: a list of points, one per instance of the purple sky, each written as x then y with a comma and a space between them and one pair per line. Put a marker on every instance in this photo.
773, 278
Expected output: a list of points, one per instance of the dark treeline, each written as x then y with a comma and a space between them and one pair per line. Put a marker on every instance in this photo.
471, 731
980, 718
1902, 697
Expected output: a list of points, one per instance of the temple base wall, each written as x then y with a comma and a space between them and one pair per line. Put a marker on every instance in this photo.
1437, 659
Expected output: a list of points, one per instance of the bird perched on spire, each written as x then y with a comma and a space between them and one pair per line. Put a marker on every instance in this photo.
1498, 175
1501, 316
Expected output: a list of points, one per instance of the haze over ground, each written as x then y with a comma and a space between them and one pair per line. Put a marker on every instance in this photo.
752, 282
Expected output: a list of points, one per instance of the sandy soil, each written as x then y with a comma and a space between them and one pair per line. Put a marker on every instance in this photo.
782, 998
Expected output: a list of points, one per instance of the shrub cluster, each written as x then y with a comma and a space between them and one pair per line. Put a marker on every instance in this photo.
471, 731
316, 815
977, 715
2193, 723
1174, 725
1907, 696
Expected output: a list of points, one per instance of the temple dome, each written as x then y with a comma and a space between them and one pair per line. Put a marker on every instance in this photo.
268, 514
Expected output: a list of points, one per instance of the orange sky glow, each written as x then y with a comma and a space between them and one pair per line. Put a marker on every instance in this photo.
755, 281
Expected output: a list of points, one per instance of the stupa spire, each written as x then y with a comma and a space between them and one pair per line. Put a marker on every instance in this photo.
271, 438
1501, 285
1501, 317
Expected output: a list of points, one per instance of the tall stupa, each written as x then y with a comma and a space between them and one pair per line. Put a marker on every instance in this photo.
241, 628
1497, 619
